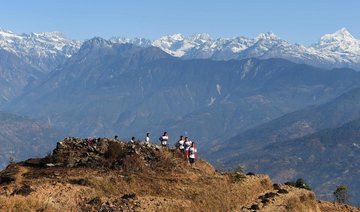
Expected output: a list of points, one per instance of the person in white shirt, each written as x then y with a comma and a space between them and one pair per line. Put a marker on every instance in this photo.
164, 139
187, 143
147, 138
192, 154
132, 140
180, 144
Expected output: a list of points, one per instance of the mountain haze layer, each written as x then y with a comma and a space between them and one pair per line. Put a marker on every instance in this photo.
327, 158
108, 88
22, 137
319, 143
26, 58
15, 76
293, 125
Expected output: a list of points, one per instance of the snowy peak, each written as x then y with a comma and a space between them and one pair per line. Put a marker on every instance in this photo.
202, 46
344, 32
341, 35
54, 38
49, 35
201, 38
6, 34
169, 40
267, 36
176, 45
44, 51
174, 37
136, 41
340, 41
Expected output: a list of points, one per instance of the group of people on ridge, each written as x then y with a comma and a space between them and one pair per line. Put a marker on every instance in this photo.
188, 147
184, 144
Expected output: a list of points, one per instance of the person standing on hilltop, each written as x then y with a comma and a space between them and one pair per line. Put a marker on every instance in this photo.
132, 140
147, 138
180, 144
191, 154
187, 144
164, 139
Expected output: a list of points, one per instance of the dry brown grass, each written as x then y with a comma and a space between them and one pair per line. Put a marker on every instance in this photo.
164, 183
23, 204
296, 200
246, 191
301, 203
105, 185
335, 207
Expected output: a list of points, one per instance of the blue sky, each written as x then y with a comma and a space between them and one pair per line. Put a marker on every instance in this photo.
299, 21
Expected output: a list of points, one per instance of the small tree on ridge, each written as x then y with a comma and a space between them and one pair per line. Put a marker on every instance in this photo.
341, 194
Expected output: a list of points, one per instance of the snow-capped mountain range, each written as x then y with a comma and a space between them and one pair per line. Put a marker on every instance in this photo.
45, 51
339, 49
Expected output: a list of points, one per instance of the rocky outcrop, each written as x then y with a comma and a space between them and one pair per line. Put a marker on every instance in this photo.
73, 152
95, 152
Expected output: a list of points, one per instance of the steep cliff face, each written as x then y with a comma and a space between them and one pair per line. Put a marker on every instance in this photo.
108, 175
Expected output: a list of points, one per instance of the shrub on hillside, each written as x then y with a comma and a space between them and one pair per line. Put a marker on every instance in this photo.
299, 183
341, 194
237, 174
56, 158
133, 163
115, 150
11, 160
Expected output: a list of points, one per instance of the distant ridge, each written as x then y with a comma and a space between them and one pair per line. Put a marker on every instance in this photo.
319, 142
339, 49
44, 51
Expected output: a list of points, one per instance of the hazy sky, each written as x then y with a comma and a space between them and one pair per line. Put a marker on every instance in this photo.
299, 21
